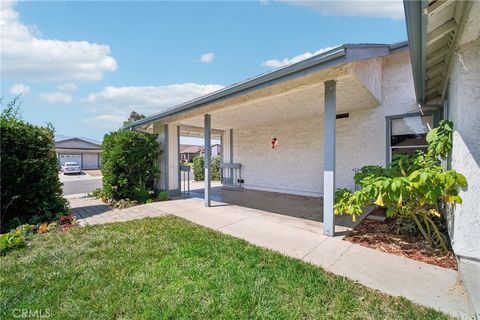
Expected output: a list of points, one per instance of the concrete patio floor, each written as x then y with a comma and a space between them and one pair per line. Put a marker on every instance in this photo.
421, 283
304, 207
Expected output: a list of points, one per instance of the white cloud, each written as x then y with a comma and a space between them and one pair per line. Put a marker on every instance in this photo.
207, 57
55, 97
114, 104
19, 88
392, 9
67, 87
276, 63
27, 56
105, 121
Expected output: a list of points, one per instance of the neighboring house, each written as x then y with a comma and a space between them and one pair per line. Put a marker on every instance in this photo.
444, 41
189, 151
86, 152
305, 128
216, 150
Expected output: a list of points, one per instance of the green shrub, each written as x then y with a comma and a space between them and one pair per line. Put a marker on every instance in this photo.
30, 188
11, 240
163, 196
199, 168
129, 165
215, 168
96, 193
414, 187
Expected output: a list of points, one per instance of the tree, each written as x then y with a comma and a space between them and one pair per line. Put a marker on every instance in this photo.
134, 116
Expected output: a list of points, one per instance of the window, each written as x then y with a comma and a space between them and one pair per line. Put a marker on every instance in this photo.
408, 133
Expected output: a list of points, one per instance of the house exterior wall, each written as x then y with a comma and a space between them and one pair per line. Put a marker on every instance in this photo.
463, 107
89, 159
464, 110
296, 164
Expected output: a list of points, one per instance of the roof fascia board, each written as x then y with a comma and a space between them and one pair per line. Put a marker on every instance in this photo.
398, 47
417, 33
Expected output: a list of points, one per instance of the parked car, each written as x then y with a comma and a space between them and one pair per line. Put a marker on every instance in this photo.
71, 167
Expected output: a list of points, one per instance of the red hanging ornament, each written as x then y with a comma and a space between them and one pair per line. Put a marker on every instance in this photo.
274, 142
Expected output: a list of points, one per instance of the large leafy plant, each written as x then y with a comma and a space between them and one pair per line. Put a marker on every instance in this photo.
414, 187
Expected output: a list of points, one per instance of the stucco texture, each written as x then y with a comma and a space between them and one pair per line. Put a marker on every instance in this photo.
296, 164
464, 111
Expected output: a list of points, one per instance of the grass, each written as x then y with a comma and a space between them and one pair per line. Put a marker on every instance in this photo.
169, 268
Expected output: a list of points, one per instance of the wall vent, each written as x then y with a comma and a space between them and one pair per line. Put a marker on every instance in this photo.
343, 115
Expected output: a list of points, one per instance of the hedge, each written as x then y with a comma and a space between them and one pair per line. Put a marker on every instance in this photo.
198, 168
199, 171
129, 165
31, 191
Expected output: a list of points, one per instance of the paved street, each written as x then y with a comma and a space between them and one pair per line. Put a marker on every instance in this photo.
82, 183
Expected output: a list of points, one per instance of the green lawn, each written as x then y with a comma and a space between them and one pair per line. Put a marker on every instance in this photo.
169, 268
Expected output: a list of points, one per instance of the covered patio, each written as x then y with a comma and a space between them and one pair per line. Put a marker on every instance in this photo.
289, 205
281, 132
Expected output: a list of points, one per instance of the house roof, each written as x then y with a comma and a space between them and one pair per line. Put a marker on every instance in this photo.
61, 137
190, 148
63, 141
433, 27
341, 54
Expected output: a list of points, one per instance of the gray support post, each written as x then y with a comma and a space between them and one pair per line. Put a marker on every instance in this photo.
208, 151
165, 158
221, 155
178, 161
231, 155
329, 158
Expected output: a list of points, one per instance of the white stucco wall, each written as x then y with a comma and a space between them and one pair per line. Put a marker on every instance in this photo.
464, 111
295, 165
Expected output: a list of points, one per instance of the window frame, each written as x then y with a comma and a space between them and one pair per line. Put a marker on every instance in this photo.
388, 122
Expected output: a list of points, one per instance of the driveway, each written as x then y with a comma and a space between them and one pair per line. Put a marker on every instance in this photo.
79, 183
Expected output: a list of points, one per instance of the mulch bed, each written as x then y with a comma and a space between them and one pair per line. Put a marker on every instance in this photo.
382, 235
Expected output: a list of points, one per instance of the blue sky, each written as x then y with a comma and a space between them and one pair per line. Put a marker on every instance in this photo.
83, 66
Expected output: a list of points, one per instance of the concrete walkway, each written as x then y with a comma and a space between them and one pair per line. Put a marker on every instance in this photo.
421, 283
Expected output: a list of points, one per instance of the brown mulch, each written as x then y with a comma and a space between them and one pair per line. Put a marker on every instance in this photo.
382, 235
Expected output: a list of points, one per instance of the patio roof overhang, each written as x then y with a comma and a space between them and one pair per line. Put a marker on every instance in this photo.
433, 27
347, 78
287, 84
